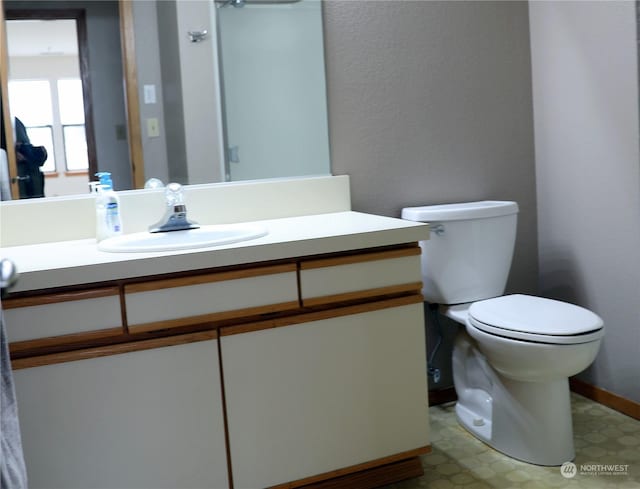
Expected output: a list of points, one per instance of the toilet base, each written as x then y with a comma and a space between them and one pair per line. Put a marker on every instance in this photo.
528, 421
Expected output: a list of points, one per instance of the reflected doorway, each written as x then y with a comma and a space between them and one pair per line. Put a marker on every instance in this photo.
49, 92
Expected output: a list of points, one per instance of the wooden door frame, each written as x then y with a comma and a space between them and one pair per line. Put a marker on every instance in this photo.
6, 115
131, 96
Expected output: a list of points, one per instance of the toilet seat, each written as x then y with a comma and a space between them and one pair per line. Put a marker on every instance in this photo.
536, 319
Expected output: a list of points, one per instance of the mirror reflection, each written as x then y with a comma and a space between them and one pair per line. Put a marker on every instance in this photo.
271, 60
229, 90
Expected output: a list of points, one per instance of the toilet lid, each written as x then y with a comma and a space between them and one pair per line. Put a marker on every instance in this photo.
536, 319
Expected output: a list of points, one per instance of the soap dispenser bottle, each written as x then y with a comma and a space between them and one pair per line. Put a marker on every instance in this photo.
108, 220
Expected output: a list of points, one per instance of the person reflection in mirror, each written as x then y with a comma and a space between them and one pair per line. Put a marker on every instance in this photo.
29, 159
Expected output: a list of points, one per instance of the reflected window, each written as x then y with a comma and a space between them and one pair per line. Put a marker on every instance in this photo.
75, 147
71, 106
70, 101
30, 101
59, 125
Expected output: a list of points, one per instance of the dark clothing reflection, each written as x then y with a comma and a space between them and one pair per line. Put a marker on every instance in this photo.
29, 159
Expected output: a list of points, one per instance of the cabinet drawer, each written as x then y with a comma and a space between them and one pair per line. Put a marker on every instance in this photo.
179, 302
54, 315
365, 275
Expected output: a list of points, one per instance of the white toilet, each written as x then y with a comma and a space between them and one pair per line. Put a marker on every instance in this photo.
512, 360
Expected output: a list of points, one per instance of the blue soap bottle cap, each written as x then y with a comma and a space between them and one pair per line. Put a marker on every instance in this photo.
105, 180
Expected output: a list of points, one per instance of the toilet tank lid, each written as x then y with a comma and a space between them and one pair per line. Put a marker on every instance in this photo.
459, 212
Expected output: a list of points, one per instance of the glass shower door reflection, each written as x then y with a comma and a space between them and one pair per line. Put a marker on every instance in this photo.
273, 86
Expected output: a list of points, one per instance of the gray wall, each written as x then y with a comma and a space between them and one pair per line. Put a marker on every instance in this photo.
105, 62
585, 80
172, 92
430, 102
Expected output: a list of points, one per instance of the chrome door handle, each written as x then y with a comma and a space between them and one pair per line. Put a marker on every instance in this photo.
8, 275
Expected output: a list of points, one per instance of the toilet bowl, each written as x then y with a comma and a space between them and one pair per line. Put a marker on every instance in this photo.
511, 366
514, 354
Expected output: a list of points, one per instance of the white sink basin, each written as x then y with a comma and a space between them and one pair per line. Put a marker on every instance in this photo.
203, 237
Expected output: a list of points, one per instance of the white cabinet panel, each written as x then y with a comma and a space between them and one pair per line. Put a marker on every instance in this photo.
146, 419
318, 396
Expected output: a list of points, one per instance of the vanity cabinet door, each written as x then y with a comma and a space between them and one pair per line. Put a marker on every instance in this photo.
176, 302
318, 396
333, 279
143, 419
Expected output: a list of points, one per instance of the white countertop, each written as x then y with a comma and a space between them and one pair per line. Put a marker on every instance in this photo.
66, 263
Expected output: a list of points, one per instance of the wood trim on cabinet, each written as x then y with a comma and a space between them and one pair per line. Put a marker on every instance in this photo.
414, 288
209, 277
374, 477
39, 300
328, 477
103, 351
67, 339
321, 314
212, 317
606, 398
359, 258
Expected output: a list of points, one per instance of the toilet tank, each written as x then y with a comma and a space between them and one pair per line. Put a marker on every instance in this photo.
469, 253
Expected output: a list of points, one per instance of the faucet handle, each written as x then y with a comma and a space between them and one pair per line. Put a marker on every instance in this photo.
174, 194
153, 183
175, 218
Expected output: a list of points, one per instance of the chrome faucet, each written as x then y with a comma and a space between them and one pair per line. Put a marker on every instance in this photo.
175, 217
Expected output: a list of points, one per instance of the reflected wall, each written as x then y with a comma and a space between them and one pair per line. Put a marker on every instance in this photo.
248, 101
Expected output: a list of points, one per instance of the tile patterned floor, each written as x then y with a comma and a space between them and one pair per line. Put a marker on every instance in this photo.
458, 460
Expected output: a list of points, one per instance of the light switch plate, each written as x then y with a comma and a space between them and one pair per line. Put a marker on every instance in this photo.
153, 128
149, 94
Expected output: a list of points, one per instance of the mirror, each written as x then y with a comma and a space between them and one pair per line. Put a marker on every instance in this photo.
215, 90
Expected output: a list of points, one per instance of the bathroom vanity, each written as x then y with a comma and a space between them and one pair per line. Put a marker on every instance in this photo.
286, 361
